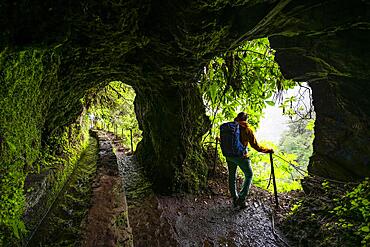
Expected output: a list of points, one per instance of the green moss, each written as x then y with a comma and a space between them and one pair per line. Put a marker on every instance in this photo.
29, 86
122, 219
70, 202
21, 111
194, 176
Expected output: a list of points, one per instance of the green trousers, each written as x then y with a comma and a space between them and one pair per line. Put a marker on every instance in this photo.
245, 166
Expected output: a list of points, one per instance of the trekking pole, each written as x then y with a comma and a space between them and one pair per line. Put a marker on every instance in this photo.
214, 161
273, 181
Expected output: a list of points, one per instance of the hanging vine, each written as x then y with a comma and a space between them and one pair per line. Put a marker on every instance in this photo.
244, 79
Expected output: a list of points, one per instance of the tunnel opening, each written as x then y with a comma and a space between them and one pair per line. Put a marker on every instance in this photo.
65, 192
112, 109
249, 79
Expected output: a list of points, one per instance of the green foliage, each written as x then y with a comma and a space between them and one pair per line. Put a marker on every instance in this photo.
246, 80
353, 214
291, 159
242, 80
12, 202
295, 208
287, 178
113, 110
334, 214
298, 140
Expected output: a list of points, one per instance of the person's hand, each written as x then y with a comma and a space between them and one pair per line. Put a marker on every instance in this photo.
270, 151
218, 138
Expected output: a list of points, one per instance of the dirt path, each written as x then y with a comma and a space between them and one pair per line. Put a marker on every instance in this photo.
188, 220
202, 221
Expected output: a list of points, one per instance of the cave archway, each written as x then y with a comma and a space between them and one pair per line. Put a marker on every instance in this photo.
158, 47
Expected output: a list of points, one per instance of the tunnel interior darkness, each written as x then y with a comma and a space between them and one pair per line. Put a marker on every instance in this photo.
158, 47
54, 52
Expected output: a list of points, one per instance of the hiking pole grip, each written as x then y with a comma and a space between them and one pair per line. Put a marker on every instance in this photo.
274, 181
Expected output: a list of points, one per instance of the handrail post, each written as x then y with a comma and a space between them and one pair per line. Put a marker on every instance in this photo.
274, 181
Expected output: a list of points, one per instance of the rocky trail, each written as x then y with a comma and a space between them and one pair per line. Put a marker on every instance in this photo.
207, 219
124, 211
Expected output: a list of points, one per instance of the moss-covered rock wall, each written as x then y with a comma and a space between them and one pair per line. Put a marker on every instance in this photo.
29, 91
330, 52
22, 106
173, 123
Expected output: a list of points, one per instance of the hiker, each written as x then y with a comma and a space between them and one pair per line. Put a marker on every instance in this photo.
235, 137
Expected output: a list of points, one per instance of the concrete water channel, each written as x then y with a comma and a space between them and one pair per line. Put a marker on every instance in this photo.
91, 209
61, 225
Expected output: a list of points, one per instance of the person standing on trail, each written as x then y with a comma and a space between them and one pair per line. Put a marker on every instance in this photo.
235, 137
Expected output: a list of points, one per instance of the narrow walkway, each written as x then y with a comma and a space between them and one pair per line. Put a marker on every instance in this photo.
179, 220
189, 220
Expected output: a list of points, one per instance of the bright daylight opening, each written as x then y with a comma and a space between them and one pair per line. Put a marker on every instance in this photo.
280, 111
112, 109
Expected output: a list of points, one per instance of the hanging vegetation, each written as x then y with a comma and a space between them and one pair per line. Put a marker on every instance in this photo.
248, 79
244, 79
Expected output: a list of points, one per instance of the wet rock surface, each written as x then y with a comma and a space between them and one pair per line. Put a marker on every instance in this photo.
107, 222
212, 221
149, 226
208, 219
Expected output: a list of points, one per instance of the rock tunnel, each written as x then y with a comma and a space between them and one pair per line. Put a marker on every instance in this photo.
58, 51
